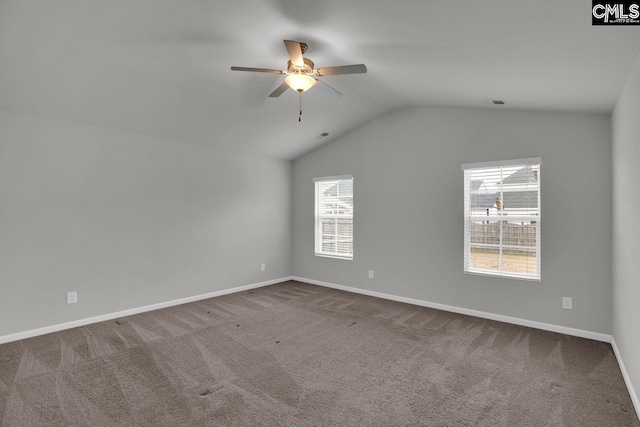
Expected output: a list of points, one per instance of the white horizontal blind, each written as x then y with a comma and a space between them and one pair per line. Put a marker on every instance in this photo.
334, 217
502, 219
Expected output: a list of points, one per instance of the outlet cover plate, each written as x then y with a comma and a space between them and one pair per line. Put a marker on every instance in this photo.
72, 297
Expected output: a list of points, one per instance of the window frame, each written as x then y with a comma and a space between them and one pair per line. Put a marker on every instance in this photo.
317, 231
501, 218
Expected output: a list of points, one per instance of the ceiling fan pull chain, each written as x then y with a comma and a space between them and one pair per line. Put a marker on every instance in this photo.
300, 105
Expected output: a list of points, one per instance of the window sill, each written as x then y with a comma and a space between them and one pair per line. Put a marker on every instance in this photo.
335, 257
502, 276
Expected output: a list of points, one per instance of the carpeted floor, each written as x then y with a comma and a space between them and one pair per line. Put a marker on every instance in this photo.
294, 354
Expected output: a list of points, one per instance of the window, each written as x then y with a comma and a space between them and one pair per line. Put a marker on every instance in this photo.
502, 218
334, 217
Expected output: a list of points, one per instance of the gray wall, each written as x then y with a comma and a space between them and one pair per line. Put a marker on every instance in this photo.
129, 220
408, 193
626, 228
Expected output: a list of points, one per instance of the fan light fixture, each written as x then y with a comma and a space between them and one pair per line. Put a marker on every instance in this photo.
300, 82
301, 73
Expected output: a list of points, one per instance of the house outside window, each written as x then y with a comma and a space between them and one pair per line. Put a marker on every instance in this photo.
502, 218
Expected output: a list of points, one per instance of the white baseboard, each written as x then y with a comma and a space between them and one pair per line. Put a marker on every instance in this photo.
597, 336
627, 380
131, 311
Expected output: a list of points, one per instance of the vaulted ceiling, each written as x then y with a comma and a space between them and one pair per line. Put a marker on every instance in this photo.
161, 67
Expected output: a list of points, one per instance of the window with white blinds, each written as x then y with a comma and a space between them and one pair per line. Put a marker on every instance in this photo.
502, 218
334, 217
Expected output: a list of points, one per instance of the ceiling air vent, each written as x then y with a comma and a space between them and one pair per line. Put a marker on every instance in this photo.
322, 135
493, 101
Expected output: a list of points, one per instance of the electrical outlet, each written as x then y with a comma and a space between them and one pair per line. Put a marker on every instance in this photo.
567, 303
370, 274
72, 297
263, 267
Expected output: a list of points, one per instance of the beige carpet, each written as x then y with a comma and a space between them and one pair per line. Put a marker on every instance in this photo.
300, 355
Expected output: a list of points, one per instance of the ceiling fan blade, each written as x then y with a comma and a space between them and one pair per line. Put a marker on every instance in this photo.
295, 52
279, 91
322, 86
343, 69
258, 70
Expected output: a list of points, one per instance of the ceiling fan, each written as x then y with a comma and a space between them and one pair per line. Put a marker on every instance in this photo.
302, 74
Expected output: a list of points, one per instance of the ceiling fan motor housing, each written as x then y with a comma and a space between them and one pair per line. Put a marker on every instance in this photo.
307, 68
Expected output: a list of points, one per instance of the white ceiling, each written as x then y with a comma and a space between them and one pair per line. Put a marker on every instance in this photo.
161, 67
